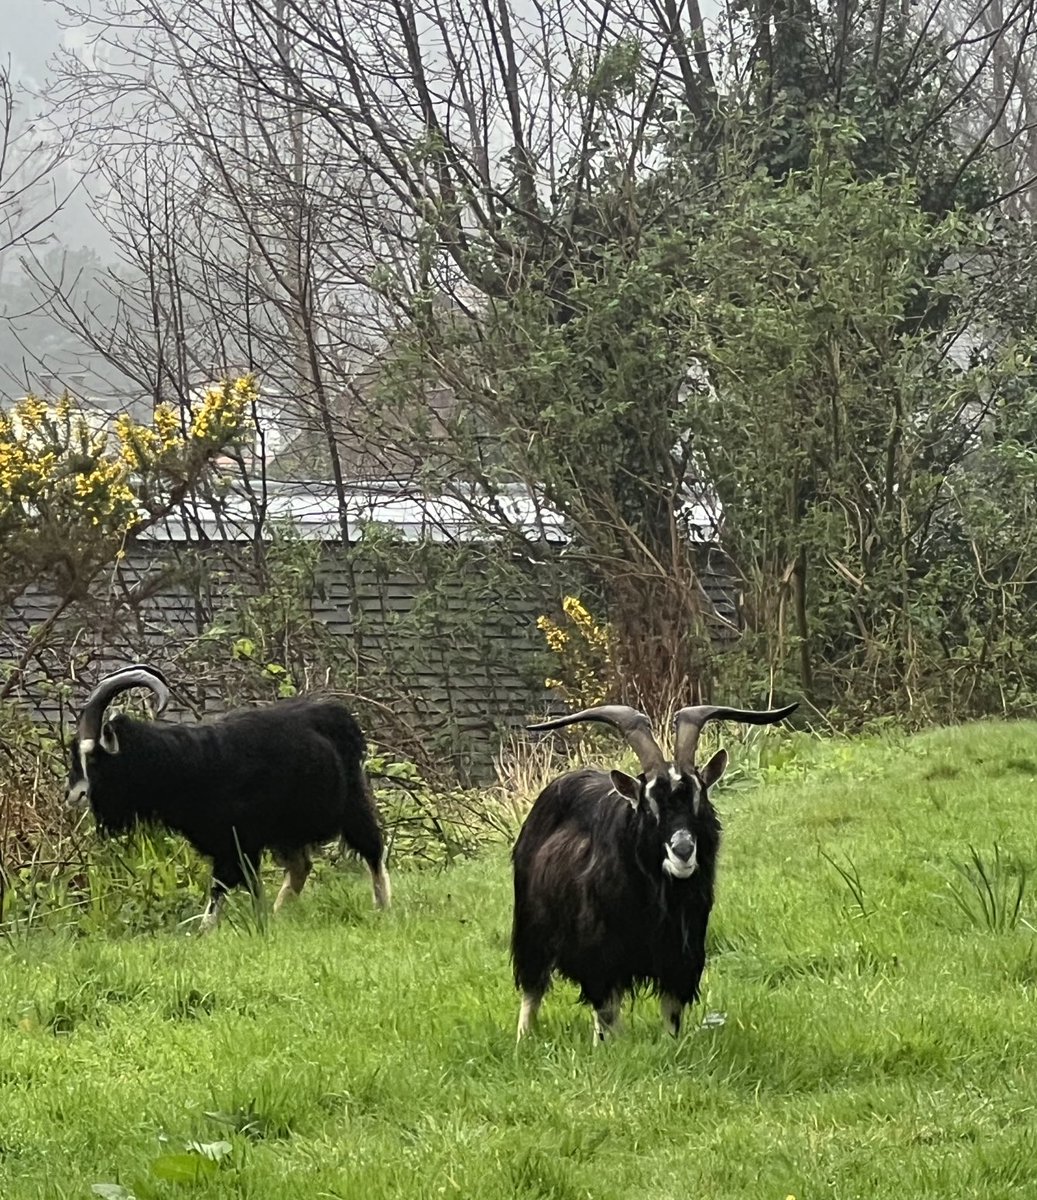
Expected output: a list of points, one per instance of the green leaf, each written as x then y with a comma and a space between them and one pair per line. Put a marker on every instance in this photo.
112, 1191
182, 1168
244, 648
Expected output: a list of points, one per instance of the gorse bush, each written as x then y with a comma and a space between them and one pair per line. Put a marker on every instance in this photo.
75, 494
582, 649
55, 467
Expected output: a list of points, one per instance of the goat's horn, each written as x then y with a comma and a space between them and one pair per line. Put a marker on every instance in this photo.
689, 721
89, 725
633, 725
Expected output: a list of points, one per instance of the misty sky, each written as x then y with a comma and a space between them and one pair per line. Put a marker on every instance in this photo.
31, 33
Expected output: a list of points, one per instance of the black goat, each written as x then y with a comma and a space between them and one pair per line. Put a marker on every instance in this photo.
614, 875
282, 778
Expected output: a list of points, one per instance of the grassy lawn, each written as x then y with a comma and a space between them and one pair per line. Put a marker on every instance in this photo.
868, 1034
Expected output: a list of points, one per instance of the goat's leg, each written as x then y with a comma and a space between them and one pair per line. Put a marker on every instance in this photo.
229, 873
297, 866
532, 967
360, 831
531, 1002
672, 1010
606, 1017
380, 885
211, 915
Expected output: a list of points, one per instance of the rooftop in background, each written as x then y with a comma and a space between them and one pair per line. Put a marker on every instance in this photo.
398, 503
313, 510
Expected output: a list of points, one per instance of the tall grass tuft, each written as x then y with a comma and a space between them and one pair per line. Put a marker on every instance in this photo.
990, 891
851, 878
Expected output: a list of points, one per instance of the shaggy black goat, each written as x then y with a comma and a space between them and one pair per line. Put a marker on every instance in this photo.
285, 777
614, 875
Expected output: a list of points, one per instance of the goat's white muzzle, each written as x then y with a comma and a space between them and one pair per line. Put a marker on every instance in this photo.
78, 794
681, 856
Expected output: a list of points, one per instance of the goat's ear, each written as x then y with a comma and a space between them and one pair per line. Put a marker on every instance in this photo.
109, 742
716, 766
628, 787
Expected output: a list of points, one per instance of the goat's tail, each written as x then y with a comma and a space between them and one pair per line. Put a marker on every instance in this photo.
360, 827
342, 729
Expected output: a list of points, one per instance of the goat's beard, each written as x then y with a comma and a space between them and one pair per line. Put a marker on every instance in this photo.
78, 794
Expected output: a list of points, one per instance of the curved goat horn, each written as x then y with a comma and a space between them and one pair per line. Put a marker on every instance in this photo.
633, 725
88, 727
689, 721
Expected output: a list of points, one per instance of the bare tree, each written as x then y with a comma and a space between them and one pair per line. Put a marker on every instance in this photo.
345, 179
993, 56
34, 188
31, 151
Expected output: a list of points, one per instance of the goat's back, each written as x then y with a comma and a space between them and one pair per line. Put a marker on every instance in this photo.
298, 717
286, 774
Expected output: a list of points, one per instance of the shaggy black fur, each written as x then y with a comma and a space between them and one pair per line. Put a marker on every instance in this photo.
592, 900
283, 778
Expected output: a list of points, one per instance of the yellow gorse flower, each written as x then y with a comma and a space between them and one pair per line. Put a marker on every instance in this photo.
50, 461
584, 654
32, 412
555, 637
167, 427
596, 634
222, 412
139, 445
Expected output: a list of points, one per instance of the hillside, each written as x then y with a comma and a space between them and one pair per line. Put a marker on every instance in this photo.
864, 1032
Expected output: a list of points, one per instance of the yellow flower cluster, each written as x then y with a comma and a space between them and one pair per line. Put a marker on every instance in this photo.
32, 412
584, 655
138, 445
222, 413
591, 632
555, 637
216, 421
51, 463
19, 472
27, 455
167, 427
104, 496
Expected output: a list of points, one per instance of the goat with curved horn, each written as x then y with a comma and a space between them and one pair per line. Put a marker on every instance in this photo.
91, 719
283, 777
632, 724
614, 875
688, 723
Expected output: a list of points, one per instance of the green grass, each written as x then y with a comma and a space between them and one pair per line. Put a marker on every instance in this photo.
878, 1033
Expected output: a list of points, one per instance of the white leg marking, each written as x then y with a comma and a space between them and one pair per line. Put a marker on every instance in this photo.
286, 893
211, 916
527, 1014
381, 887
605, 1019
671, 1009
296, 873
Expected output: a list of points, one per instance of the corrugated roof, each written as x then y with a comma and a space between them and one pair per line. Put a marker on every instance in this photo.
313, 510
